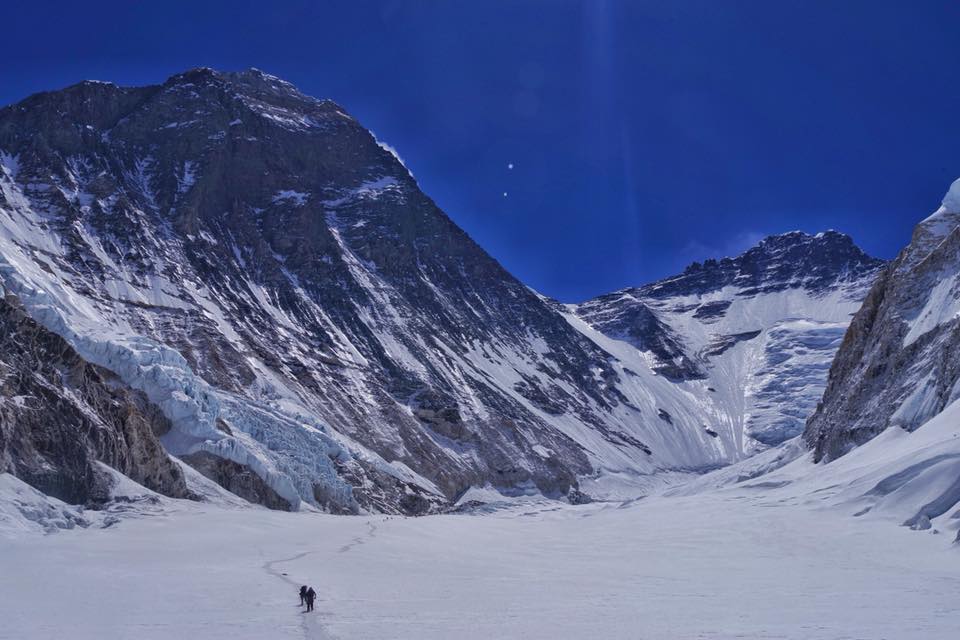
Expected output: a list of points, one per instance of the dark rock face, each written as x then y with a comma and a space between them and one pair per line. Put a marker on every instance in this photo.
237, 479
897, 365
711, 310
378, 491
59, 415
721, 343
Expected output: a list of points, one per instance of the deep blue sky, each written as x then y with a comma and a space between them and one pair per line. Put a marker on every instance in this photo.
643, 135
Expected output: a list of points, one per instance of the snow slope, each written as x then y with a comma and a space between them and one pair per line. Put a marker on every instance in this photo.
24, 509
909, 478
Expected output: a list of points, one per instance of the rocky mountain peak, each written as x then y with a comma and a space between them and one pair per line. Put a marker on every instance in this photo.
931, 232
786, 241
775, 314
828, 248
249, 83
788, 260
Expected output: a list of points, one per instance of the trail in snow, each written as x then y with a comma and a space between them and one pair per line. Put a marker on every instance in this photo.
310, 621
359, 540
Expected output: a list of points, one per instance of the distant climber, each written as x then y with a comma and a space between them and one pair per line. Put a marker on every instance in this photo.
303, 595
311, 596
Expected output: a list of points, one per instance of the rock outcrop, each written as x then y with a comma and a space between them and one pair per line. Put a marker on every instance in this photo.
898, 364
59, 415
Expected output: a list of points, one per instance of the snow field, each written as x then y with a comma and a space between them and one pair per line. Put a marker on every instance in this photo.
759, 559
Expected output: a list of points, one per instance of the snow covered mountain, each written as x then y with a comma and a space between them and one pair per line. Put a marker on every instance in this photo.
747, 340
316, 331
898, 364
273, 279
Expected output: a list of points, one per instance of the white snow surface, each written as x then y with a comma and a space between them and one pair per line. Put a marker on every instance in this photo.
951, 201
730, 555
298, 198
23, 509
942, 305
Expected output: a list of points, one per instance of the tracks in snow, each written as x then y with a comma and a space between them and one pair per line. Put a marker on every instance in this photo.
312, 629
311, 624
359, 540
